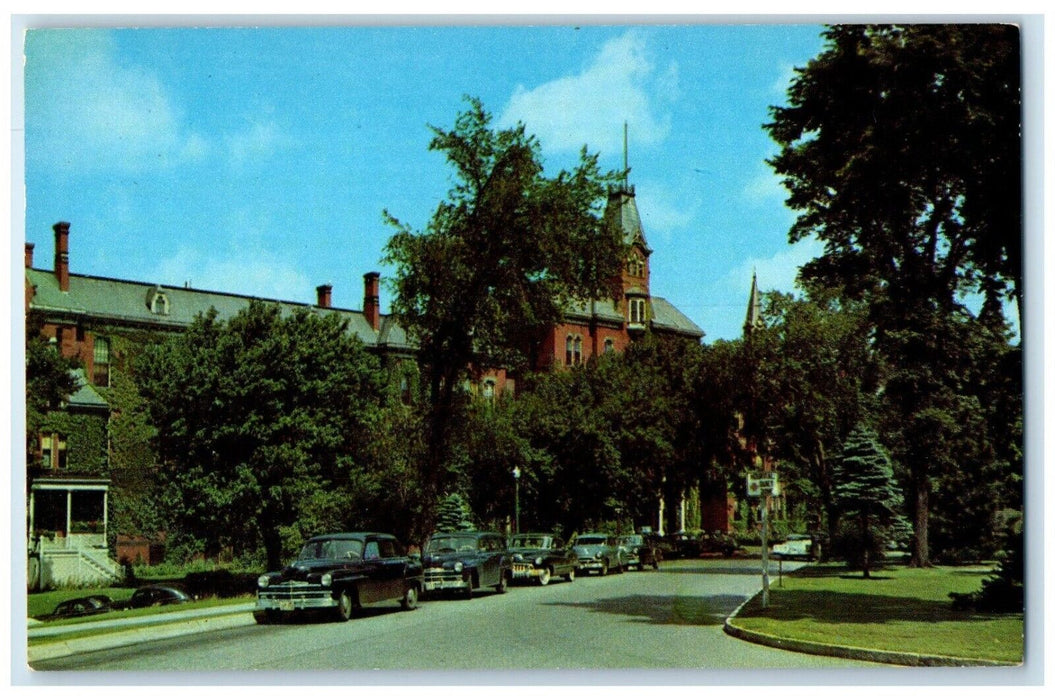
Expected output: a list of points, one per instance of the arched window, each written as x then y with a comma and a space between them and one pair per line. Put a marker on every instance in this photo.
636, 311
609, 345
569, 347
578, 350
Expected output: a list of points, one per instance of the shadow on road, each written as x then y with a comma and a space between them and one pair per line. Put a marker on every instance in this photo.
665, 610
745, 569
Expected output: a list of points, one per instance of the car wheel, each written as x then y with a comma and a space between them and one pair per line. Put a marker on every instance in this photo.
469, 589
409, 601
345, 606
543, 577
604, 568
655, 565
266, 617
570, 575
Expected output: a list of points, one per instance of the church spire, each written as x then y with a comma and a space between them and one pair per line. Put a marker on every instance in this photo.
754, 308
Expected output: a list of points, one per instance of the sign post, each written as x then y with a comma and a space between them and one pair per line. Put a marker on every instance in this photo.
763, 488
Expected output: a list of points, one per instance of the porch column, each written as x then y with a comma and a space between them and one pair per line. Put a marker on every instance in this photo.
681, 512
32, 513
106, 512
69, 514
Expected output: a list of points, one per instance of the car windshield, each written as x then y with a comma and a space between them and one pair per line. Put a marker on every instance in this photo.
530, 543
332, 549
588, 539
451, 543
633, 539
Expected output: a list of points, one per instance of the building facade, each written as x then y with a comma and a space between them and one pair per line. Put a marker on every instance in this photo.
99, 321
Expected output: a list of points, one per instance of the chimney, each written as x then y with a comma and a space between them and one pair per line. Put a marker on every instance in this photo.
62, 255
29, 255
371, 300
322, 294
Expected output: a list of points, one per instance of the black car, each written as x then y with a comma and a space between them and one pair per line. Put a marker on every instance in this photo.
156, 594
718, 542
641, 551
539, 557
466, 561
80, 607
339, 573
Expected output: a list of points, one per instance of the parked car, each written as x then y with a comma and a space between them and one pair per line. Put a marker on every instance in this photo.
466, 561
158, 594
599, 552
717, 542
339, 573
640, 551
80, 607
539, 557
794, 547
682, 545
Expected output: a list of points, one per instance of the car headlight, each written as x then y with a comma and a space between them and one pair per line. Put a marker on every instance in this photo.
326, 579
538, 561
263, 581
458, 566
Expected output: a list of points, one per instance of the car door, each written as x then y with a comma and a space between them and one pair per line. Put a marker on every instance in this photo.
371, 586
391, 568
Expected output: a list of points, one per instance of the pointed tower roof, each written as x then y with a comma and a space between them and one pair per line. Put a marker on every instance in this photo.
622, 212
754, 308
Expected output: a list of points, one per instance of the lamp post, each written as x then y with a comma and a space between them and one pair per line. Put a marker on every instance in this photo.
516, 497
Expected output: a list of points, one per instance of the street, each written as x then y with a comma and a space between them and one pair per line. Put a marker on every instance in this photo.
670, 619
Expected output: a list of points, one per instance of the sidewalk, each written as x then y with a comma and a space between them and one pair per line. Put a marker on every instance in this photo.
122, 632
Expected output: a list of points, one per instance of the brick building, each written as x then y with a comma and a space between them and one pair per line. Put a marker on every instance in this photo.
99, 320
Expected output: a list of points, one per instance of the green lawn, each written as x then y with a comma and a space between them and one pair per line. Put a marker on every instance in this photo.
898, 609
44, 603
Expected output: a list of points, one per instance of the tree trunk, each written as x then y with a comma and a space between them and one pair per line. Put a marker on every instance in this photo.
920, 521
866, 559
272, 546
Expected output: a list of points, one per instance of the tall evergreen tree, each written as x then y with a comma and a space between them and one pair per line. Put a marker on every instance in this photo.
866, 492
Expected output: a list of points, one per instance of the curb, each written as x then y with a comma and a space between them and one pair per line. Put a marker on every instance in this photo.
892, 658
150, 632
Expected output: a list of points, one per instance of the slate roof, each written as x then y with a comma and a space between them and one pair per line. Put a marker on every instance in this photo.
127, 302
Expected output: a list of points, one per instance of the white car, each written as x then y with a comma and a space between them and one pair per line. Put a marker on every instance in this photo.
794, 547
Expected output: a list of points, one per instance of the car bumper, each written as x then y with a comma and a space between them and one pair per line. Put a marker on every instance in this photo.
445, 581
593, 565
290, 598
521, 572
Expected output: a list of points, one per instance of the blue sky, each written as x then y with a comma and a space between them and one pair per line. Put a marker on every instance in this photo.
258, 161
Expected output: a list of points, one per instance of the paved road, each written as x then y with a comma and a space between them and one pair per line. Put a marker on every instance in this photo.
670, 619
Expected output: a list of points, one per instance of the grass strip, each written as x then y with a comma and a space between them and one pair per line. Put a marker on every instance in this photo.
899, 609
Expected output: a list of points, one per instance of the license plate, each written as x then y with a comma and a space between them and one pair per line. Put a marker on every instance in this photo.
285, 605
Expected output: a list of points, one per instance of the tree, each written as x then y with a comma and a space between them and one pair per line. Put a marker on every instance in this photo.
900, 147
261, 421
866, 491
497, 261
49, 382
454, 514
818, 378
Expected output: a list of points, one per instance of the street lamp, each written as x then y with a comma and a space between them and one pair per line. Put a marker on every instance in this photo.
516, 502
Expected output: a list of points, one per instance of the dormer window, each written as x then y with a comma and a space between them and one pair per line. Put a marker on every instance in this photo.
158, 301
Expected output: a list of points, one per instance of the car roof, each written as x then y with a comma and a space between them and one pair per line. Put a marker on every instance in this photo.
465, 533
352, 536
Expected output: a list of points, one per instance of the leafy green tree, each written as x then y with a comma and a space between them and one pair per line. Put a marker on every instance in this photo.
866, 492
49, 383
260, 419
818, 377
454, 514
497, 262
901, 149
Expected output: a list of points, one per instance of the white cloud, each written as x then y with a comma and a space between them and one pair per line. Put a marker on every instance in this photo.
778, 271
260, 140
620, 85
86, 111
765, 189
252, 264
